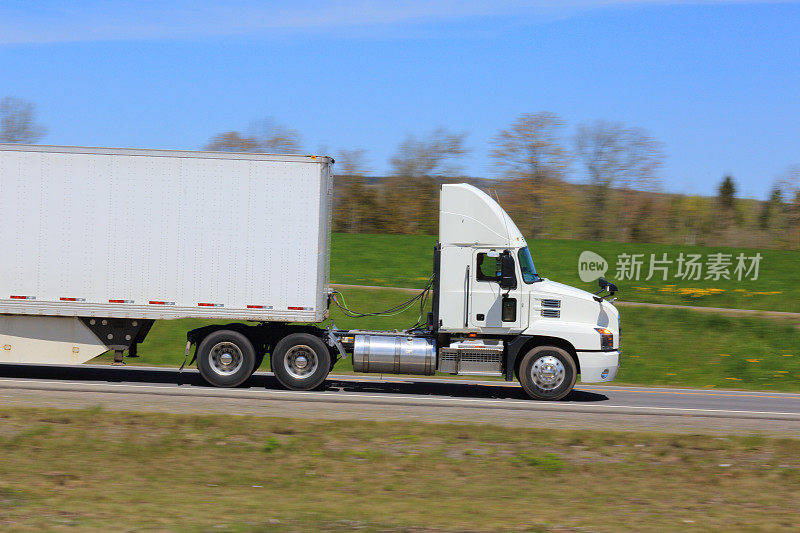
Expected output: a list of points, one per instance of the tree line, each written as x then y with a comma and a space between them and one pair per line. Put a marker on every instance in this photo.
601, 182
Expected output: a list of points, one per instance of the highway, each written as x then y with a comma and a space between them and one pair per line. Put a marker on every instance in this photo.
402, 398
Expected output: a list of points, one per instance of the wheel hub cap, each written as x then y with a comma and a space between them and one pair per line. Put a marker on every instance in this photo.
548, 372
300, 361
225, 358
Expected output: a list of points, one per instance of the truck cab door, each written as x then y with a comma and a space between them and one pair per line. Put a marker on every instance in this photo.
492, 306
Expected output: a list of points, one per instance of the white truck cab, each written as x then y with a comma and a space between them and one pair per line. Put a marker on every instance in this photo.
493, 315
489, 289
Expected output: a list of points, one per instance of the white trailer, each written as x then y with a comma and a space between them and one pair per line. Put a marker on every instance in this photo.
98, 243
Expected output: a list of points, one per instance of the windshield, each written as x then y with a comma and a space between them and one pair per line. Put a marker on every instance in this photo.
529, 274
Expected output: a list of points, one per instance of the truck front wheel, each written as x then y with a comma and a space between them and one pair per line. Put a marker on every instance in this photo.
547, 373
226, 358
301, 361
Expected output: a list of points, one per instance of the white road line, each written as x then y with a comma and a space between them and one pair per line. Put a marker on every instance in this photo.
339, 397
364, 378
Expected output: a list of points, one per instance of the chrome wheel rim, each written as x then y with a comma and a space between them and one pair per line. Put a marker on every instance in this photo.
300, 361
548, 373
226, 358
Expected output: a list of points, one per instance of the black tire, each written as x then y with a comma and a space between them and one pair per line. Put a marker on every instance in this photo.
553, 376
226, 358
299, 348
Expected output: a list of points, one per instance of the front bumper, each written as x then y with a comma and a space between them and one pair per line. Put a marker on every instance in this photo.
597, 367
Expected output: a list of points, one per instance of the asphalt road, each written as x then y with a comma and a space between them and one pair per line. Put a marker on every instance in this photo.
392, 397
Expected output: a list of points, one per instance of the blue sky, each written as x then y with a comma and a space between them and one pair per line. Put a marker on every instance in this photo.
717, 82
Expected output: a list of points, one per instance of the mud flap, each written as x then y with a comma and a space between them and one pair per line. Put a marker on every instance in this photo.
186, 356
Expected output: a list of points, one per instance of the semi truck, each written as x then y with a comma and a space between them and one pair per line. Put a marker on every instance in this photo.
98, 243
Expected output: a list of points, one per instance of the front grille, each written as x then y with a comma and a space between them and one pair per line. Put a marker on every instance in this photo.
551, 313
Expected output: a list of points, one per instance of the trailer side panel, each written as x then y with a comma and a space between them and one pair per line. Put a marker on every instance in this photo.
163, 234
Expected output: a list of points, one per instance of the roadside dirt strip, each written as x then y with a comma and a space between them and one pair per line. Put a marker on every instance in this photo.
427, 400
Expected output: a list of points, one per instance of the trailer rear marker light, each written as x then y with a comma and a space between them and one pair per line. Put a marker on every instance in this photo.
159, 302
203, 304
259, 307
121, 301
291, 308
65, 299
14, 297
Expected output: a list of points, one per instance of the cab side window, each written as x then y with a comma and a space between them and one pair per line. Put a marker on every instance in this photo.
488, 268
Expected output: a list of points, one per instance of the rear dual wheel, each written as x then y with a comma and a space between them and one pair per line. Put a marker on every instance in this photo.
301, 361
226, 358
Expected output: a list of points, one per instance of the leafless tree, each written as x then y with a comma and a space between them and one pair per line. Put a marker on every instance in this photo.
615, 156
435, 154
276, 138
355, 203
18, 121
264, 136
232, 141
352, 162
531, 149
789, 181
415, 167
788, 185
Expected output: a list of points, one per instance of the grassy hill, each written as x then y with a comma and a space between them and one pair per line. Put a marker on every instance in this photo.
406, 261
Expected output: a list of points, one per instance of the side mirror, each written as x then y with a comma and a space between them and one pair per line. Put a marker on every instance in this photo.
508, 277
606, 285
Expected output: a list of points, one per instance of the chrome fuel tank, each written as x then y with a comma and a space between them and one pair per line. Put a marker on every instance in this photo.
394, 354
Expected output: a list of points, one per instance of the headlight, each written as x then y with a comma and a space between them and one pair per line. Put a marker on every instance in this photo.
606, 338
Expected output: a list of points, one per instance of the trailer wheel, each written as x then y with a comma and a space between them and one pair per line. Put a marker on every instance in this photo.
301, 361
547, 373
226, 358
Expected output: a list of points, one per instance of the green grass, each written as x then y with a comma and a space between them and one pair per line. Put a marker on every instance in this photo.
670, 347
406, 261
96, 470
676, 347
